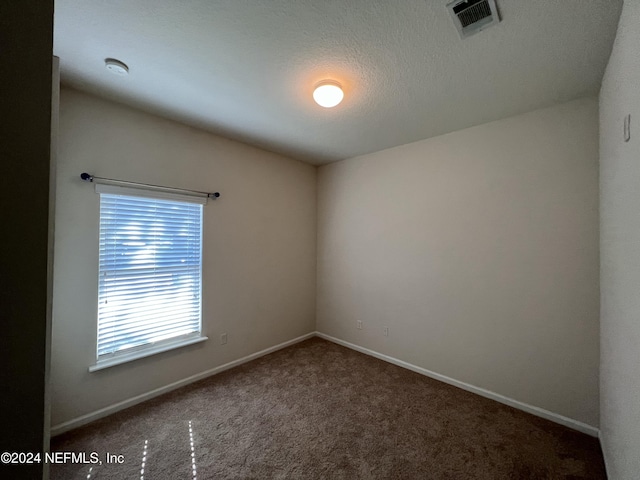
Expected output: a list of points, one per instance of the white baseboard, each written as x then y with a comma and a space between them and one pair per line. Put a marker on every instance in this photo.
540, 412
604, 452
103, 412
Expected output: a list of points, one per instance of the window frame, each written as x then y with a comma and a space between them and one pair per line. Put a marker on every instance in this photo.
151, 348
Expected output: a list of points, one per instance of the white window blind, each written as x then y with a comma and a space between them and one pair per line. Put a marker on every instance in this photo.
149, 288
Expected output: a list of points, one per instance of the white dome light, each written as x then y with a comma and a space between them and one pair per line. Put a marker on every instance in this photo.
328, 94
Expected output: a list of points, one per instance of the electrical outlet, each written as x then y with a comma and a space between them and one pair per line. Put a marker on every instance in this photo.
223, 339
359, 324
386, 331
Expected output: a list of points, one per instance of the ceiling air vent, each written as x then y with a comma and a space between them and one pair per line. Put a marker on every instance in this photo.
472, 16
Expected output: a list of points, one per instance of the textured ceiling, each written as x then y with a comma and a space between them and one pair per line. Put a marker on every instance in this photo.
246, 68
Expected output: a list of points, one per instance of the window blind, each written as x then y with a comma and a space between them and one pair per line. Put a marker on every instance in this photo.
150, 269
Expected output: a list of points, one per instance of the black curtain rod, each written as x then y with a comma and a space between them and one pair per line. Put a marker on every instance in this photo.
90, 178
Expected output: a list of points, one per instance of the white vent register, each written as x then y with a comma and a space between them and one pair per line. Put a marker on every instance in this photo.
473, 16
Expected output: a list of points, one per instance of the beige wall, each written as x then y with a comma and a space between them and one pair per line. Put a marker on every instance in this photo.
479, 250
619, 246
259, 247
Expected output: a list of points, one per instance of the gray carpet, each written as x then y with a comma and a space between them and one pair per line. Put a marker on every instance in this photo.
317, 410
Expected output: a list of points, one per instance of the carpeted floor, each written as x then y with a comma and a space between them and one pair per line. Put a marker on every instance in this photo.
317, 410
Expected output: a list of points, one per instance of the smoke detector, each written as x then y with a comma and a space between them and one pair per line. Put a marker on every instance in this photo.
116, 66
473, 16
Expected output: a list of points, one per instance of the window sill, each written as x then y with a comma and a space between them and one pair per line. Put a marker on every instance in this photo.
147, 352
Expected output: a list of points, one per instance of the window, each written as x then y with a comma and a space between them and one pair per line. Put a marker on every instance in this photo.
150, 273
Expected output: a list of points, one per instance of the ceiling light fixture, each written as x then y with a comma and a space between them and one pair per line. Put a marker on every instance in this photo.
328, 94
116, 66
